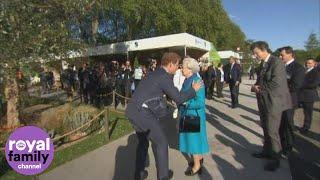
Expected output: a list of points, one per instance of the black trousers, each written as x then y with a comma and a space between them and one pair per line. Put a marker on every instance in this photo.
286, 130
234, 90
307, 110
219, 89
149, 128
211, 88
208, 89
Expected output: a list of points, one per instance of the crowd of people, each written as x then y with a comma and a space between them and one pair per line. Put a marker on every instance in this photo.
95, 83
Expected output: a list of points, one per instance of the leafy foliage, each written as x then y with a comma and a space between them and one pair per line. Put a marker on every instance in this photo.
312, 43
46, 29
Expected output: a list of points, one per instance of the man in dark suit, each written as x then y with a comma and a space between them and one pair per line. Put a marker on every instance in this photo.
211, 80
308, 94
273, 98
295, 76
233, 78
147, 106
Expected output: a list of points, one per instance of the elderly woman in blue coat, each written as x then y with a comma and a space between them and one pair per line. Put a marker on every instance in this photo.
195, 144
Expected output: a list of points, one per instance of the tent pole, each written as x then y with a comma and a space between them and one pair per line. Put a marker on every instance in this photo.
185, 51
127, 55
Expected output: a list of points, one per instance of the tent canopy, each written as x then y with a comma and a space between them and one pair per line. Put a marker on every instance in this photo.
181, 42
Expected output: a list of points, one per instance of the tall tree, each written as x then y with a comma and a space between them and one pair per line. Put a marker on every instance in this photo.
33, 30
312, 43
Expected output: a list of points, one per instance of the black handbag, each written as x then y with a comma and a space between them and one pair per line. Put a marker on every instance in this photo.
190, 124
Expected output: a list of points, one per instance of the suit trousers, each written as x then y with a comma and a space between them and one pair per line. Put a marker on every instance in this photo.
208, 89
149, 128
307, 110
219, 89
286, 130
270, 122
211, 88
234, 91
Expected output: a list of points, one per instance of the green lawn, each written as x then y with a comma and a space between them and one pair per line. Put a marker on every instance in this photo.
119, 126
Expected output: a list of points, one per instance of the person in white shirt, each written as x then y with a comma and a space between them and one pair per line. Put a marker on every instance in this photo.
137, 75
220, 80
178, 80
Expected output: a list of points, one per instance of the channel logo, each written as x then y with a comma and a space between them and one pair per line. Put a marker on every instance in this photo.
29, 150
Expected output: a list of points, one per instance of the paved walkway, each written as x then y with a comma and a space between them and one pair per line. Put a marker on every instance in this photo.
233, 135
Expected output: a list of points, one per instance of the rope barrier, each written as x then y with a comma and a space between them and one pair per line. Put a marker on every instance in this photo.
116, 111
71, 132
105, 95
121, 96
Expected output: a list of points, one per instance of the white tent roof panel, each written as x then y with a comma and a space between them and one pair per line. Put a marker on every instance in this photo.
160, 42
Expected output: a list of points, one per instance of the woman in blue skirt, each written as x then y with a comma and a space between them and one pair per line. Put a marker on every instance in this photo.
195, 144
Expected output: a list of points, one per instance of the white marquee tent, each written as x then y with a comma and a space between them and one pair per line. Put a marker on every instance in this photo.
182, 42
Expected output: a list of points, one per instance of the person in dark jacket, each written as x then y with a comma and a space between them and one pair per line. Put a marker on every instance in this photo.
145, 109
251, 72
233, 76
211, 79
83, 75
295, 76
308, 94
127, 79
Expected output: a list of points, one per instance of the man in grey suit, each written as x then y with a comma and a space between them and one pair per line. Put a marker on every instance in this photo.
273, 98
147, 106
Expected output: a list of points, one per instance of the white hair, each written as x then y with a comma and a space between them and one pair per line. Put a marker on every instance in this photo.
191, 64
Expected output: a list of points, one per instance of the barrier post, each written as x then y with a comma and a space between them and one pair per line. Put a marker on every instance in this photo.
113, 98
106, 123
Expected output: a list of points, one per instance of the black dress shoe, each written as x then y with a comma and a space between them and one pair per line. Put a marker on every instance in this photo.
272, 165
190, 172
261, 155
170, 175
142, 175
192, 163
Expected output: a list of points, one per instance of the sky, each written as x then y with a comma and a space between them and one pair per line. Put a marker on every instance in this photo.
279, 22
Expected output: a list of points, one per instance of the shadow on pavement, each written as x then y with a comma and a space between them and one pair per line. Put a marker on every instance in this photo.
224, 116
245, 163
125, 159
250, 119
238, 164
305, 163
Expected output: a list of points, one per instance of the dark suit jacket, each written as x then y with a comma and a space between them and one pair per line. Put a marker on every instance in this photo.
233, 74
156, 84
209, 76
274, 95
308, 91
295, 76
219, 74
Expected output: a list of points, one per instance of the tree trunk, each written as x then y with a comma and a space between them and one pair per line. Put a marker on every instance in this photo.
94, 29
12, 95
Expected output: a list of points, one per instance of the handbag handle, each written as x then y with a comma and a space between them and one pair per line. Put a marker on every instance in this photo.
194, 109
